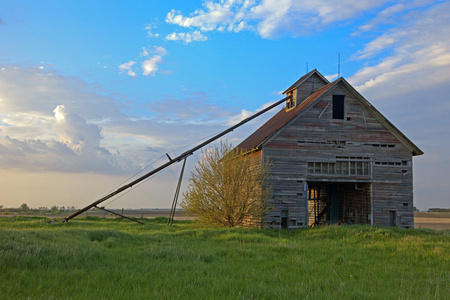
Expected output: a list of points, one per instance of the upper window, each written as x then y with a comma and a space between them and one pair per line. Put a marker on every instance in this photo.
290, 103
338, 106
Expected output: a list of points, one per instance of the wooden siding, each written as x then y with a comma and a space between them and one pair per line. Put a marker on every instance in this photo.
314, 137
308, 87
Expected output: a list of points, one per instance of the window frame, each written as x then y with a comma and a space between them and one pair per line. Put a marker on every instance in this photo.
338, 107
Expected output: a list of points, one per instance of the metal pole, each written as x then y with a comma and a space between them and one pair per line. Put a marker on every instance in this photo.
114, 213
177, 159
177, 193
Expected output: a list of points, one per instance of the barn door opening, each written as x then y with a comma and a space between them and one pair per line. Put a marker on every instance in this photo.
318, 204
338, 203
284, 219
393, 218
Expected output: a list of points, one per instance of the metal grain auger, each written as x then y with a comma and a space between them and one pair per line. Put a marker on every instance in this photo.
167, 164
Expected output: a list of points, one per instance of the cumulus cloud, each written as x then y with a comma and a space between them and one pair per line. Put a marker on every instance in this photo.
72, 130
149, 66
186, 37
127, 68
37, 133
49, 122
154, 57
74, 147
270, 18
31, 93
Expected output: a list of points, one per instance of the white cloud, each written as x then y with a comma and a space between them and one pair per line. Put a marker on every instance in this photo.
186, 37
418, 57
73, 131
150, 33
331, 77
406, 73
233, 120
270, 18
36, 136
127, 68
215, 14
73, 145
384, 16
392, 13
31, 93
380, 44
154, 57
49, 122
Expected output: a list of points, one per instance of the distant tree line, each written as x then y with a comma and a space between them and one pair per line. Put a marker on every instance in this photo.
439, 209
24, 209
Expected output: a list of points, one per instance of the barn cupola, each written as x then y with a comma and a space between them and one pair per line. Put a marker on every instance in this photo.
302, 88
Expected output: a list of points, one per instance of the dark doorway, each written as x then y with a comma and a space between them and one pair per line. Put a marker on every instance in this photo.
338, 203
393, 218
284, 219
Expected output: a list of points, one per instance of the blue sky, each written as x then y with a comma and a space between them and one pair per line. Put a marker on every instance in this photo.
93, 91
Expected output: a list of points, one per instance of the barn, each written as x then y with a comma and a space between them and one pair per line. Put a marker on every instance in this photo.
334, 159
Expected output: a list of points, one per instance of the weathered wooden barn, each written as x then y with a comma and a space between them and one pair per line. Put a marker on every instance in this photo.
335, 159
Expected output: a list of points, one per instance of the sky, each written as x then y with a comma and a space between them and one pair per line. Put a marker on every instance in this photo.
93, 92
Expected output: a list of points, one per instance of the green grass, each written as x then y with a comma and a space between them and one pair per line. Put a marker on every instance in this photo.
96, 258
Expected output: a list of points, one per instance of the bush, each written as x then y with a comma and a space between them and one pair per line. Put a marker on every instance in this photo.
228, 188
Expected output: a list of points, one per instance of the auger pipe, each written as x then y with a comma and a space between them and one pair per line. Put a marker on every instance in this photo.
176, 159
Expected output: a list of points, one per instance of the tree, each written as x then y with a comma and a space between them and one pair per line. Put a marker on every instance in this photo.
24, 208
228, 188
54, 210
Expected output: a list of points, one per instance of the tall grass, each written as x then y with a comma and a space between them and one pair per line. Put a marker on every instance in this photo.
107, 258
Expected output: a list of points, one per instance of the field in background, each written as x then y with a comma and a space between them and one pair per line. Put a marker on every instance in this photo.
99, 258
432, 220
135, 213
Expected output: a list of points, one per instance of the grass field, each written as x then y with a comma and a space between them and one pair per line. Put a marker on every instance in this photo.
94, 258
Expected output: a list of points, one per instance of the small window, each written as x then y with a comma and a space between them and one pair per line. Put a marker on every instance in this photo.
338, 106
290, 103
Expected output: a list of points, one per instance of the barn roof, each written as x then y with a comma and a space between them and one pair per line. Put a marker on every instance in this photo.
255, 141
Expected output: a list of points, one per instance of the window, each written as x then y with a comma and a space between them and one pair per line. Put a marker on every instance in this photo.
344, 165
290, 103
338, 106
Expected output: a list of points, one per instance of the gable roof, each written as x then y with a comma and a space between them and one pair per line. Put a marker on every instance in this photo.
255, 141
304, 78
